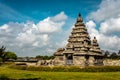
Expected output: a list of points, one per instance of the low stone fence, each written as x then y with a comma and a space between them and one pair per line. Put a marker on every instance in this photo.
36, 63
26, 63
111, 62
106, 62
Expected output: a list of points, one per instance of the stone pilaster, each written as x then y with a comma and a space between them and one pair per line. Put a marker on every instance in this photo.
91, 61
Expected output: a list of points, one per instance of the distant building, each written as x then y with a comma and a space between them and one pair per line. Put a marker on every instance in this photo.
80, 50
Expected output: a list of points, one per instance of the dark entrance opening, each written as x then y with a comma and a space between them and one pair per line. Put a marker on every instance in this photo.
98, 60
87, 60
69, 58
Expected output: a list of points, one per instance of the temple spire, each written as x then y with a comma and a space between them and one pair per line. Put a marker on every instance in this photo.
95, 46
79, 19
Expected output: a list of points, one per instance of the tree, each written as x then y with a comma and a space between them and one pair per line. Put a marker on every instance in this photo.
4, 56
114, 56
9, 55
39, 57
106, 54
52, 57
2, 51
119, 52
44, 57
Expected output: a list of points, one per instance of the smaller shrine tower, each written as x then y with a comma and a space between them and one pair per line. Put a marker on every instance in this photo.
80, 50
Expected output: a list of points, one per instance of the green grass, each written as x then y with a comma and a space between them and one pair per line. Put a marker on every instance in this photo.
23, 74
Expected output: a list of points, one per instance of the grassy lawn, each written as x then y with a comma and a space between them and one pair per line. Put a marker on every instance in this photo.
18, 74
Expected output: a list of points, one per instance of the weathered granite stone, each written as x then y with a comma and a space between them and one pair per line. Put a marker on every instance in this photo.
111, 62
91, 61
80, 50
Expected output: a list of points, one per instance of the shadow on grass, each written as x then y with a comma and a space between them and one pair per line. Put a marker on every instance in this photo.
4, 77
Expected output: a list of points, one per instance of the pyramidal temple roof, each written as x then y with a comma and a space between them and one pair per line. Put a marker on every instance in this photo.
79, 42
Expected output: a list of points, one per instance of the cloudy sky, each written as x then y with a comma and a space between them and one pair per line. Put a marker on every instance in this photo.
39, 27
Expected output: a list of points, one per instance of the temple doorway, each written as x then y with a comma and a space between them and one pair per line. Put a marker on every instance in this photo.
69, 59
87, 60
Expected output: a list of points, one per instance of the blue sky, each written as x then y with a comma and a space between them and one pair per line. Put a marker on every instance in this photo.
39, 27
36, 10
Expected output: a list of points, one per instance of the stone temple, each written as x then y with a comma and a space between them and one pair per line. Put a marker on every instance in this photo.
80, 50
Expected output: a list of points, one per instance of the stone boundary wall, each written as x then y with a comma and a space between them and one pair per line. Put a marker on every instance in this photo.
106, 62
111, 62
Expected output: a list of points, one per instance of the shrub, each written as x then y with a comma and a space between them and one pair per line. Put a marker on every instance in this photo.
20, 67
60, 69
3, 77
40, 68
0, 60
75, 69
69, 68
102, 69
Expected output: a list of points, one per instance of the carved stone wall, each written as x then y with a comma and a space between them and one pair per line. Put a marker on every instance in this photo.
79, 60
111, 62
59, 60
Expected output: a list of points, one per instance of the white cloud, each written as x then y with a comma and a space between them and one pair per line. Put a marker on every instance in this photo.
110, 26
48, 26
52, 24
5, 28
35, 44
91, 26
30, 39
108, 17
106, 42
107, 9
60, 17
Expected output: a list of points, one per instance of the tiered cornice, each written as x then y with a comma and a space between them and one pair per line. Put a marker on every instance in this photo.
80, 50
79, 40
79, 37
95, 47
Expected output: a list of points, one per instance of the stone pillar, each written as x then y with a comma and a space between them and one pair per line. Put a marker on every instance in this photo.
91, 60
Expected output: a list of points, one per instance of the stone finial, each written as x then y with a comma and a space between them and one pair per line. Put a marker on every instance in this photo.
94, 37
79, 14
79, 19
95, 40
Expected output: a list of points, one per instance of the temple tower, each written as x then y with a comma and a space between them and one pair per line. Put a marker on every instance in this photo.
80, 50
96, 52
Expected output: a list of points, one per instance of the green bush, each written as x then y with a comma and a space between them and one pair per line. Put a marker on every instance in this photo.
20, 67
74, 69
40, 68
0, 59
69, 68
60, 69
102, 69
